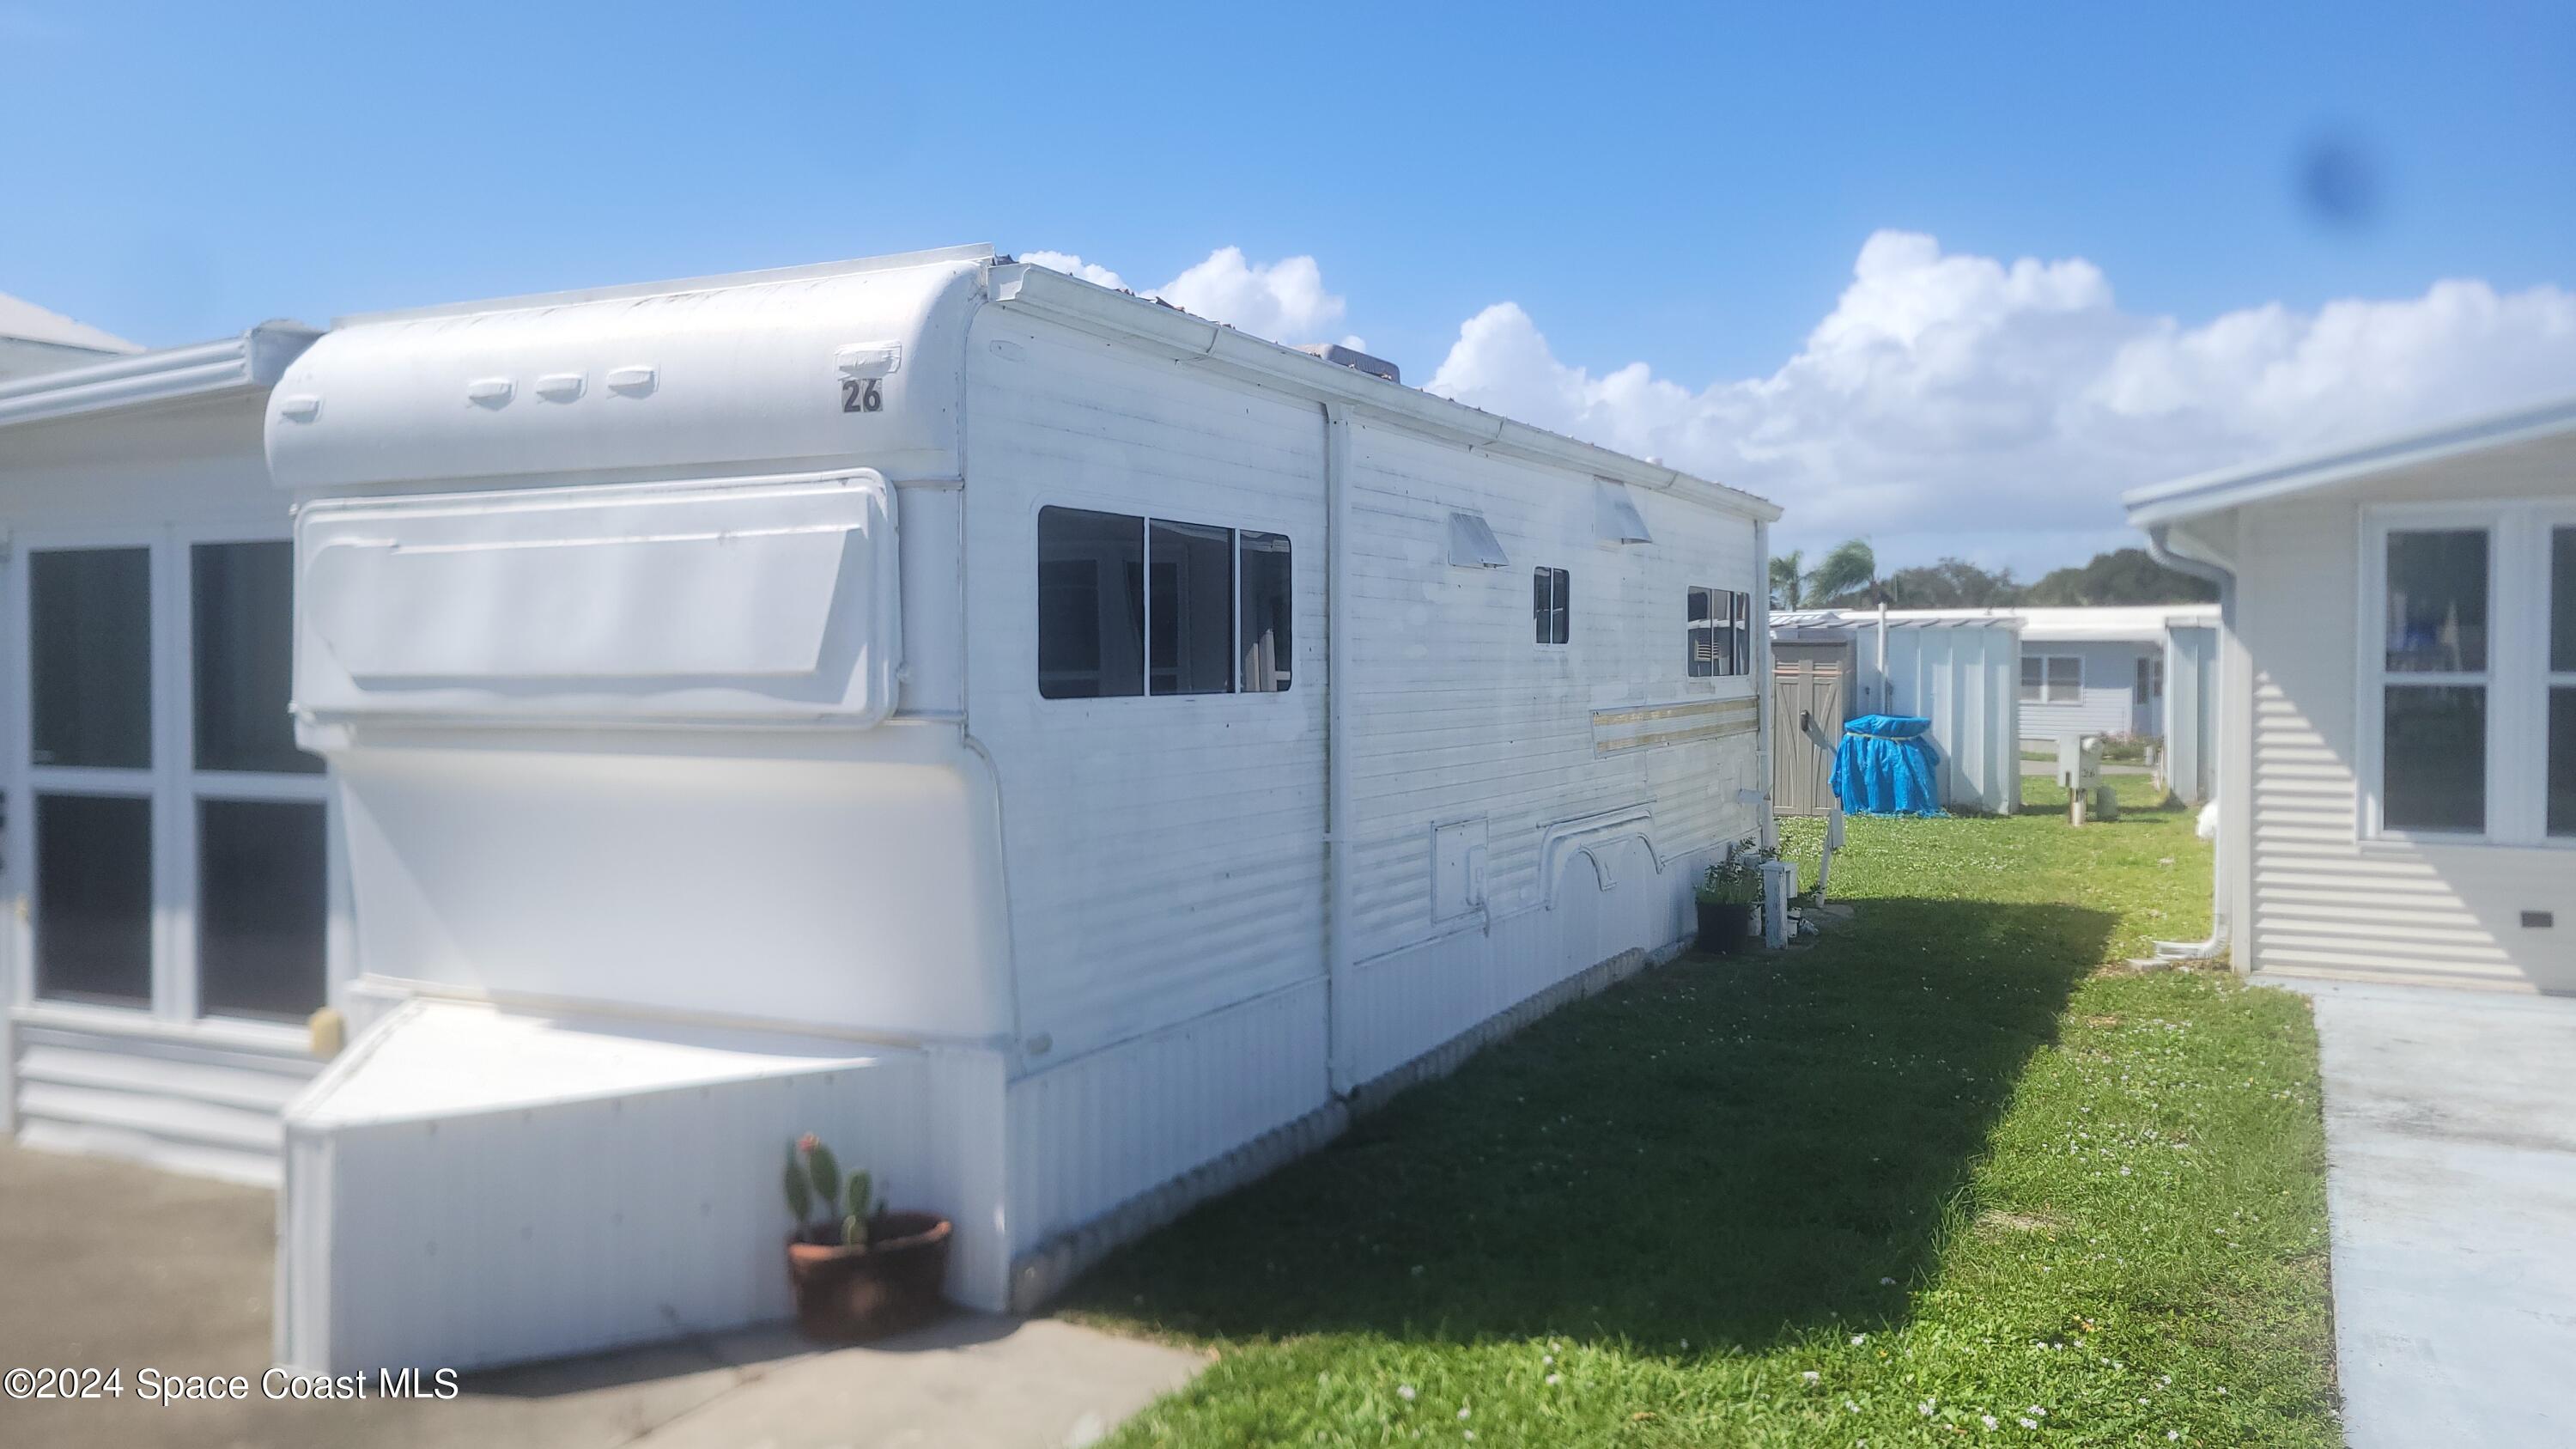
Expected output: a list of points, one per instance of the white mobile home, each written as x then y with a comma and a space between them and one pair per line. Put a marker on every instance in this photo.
1057, 747
2398, 722
175, 911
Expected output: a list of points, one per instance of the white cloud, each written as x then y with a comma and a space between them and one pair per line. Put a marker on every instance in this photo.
1957, 404
1283, 300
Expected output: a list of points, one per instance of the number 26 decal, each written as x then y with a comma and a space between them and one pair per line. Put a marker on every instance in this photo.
860, 395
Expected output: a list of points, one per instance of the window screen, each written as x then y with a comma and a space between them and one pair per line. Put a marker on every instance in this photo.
89, 631
242, 609
94, 898
2562, 681
1191, 615
1710, 647
1091, 604
2433, 686
1267, 598
1549, 605
260, 908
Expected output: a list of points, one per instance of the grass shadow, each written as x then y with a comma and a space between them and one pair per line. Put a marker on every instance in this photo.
1717, 1154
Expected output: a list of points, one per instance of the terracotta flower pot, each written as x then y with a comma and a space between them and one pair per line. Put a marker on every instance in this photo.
846, 1294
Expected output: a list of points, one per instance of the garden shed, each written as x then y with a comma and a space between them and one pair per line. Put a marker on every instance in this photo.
1057, 748
1830, 665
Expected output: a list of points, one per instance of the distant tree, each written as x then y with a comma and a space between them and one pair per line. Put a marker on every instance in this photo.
1953, 583
1847, 576
2122, 576
1787, 580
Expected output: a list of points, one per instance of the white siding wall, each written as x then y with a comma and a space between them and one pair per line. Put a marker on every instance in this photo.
2322, 902
1165, 855
1457, 714
2110, 685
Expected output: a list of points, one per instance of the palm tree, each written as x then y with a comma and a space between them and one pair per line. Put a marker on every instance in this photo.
1846, 575
1788, 579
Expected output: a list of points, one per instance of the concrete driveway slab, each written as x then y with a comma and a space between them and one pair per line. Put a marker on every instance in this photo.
2451, 1151
111, 1266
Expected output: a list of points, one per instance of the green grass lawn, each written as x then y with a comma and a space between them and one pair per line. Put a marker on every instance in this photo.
1946, 1166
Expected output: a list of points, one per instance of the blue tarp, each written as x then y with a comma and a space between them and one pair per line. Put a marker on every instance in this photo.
1884, 767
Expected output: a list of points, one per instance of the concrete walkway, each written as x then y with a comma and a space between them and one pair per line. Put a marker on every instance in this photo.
2451, 1144
109, 1266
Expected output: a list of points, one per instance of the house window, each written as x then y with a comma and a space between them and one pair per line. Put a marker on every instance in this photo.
2052, 679
2150, 686
1135, 606
2562, 680
260, 826
1549, 607
2467, 689
179, 835
1720, 633
1265, 640
2434, 680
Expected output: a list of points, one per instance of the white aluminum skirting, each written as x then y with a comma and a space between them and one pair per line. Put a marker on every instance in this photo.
536, 1229
1095, 1132
1106, 1150
201, 1108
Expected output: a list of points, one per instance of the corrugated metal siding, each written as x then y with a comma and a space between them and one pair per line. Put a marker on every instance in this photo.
1090, 1134
2322, 902
1967, 681
185, 1107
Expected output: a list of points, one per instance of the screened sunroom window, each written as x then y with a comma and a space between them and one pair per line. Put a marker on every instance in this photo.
2562, 681
2434, 681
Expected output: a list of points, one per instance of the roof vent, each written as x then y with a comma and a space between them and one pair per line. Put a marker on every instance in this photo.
1353, 357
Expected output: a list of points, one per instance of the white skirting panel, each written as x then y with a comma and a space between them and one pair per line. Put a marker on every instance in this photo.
1095, 1132
204, 1108
495, 1231
1608, 901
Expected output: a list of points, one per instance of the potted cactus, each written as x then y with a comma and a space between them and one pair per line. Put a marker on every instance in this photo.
1727, 897
860, 1270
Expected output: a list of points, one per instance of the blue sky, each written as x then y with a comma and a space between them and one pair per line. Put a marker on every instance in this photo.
1684, 187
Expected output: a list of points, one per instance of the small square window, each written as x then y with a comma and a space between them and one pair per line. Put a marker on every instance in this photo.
1549, 605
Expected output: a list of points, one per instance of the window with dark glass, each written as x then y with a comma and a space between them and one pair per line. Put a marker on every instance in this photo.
89, 632
1091, 604
1721, 633
1549, 610
94, 898
260, 908
1129, 606
242, 598
2052, 679
1711, 644
2562, 681
1266, 640
2433, 691
1191, 614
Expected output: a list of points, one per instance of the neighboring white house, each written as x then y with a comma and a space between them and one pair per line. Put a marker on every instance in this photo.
165, 853
1060, 749
33, 340
2399, 722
